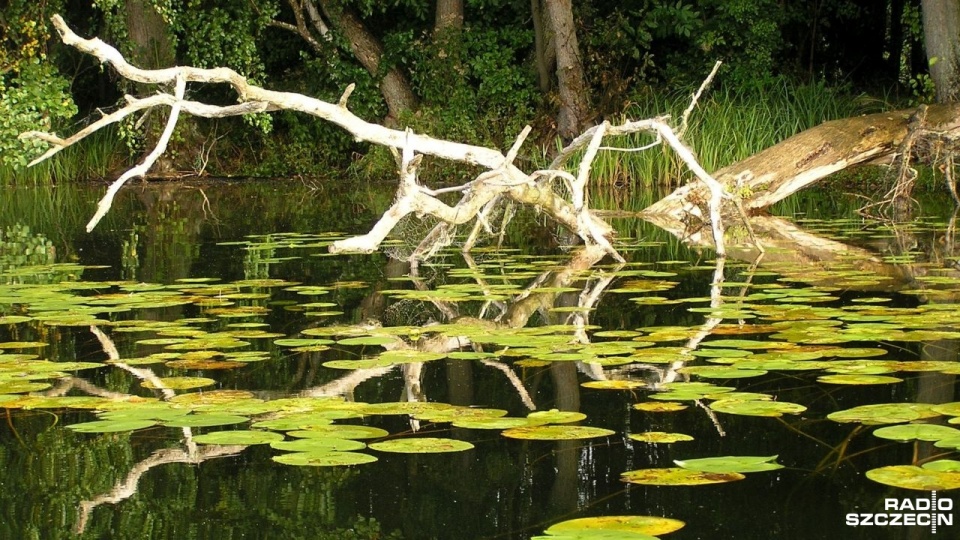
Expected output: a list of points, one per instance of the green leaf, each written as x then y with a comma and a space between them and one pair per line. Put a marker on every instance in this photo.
730, 464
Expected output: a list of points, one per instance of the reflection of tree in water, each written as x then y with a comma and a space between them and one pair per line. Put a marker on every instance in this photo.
170, 234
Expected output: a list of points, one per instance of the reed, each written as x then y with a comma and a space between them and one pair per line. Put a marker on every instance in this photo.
728, 125
100, 155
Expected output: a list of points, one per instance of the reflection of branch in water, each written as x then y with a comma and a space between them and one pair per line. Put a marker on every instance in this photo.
69, 383
128, 487
110, 348
671, 374
514, 380
514, 315
345, 385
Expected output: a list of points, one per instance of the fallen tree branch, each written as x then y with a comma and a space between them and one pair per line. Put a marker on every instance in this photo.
502, 181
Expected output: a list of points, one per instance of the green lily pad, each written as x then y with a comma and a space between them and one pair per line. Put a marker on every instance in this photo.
19, 387
626, 525
730, 464
23, 344
677, 476
111, 426
660, 437
491, 423
556, 433
949, 409
722, 372
342, 431
238, 437
179, 383
883, 413
858, 379
301, 342
324, 459
554, 416
205, 420
421, 445
148, 411
943, 465
917, 432
912, 477
367, 340
756, 407
658, 406
319, 444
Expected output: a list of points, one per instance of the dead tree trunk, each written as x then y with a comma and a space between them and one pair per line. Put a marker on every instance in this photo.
783, 169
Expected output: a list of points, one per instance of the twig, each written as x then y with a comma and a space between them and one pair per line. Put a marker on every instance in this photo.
696, 97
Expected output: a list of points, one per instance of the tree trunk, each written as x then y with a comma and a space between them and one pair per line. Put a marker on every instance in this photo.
544, 49
574, 95
394, 85
449, 16
152, 46
941, 36
770, 176
781, 170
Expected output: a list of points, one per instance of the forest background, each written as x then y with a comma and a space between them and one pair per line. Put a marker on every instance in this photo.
473, 71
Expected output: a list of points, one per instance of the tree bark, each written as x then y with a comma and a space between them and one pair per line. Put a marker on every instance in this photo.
941, 36
781, 170
368, 50
449, 16
572, 82
545, 53
152, 46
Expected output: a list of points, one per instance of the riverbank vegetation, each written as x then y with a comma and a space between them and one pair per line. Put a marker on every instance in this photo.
474, 72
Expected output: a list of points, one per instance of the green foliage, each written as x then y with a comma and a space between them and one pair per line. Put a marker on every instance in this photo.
33, 94
474, 89
35, 100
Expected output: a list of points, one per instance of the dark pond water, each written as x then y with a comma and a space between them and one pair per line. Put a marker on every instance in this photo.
188, 282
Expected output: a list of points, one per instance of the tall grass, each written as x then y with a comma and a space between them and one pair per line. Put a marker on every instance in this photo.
97, 156
727, 126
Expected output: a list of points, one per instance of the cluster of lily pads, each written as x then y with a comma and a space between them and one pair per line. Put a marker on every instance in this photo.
307, 427
907, 422
803, 329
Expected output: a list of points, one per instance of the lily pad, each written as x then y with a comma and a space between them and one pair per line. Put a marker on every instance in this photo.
111, 426
205, 420
492, 423
883, 413
660, 437
238, 437
556, 433
859, 379
320, 444
554, 416
626, 525
756, 407
730, 464
677, 476
324, 459
179, 383
659, 406
912, 477
614, 384
943, 465
342, 431
421, 445
917, 432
